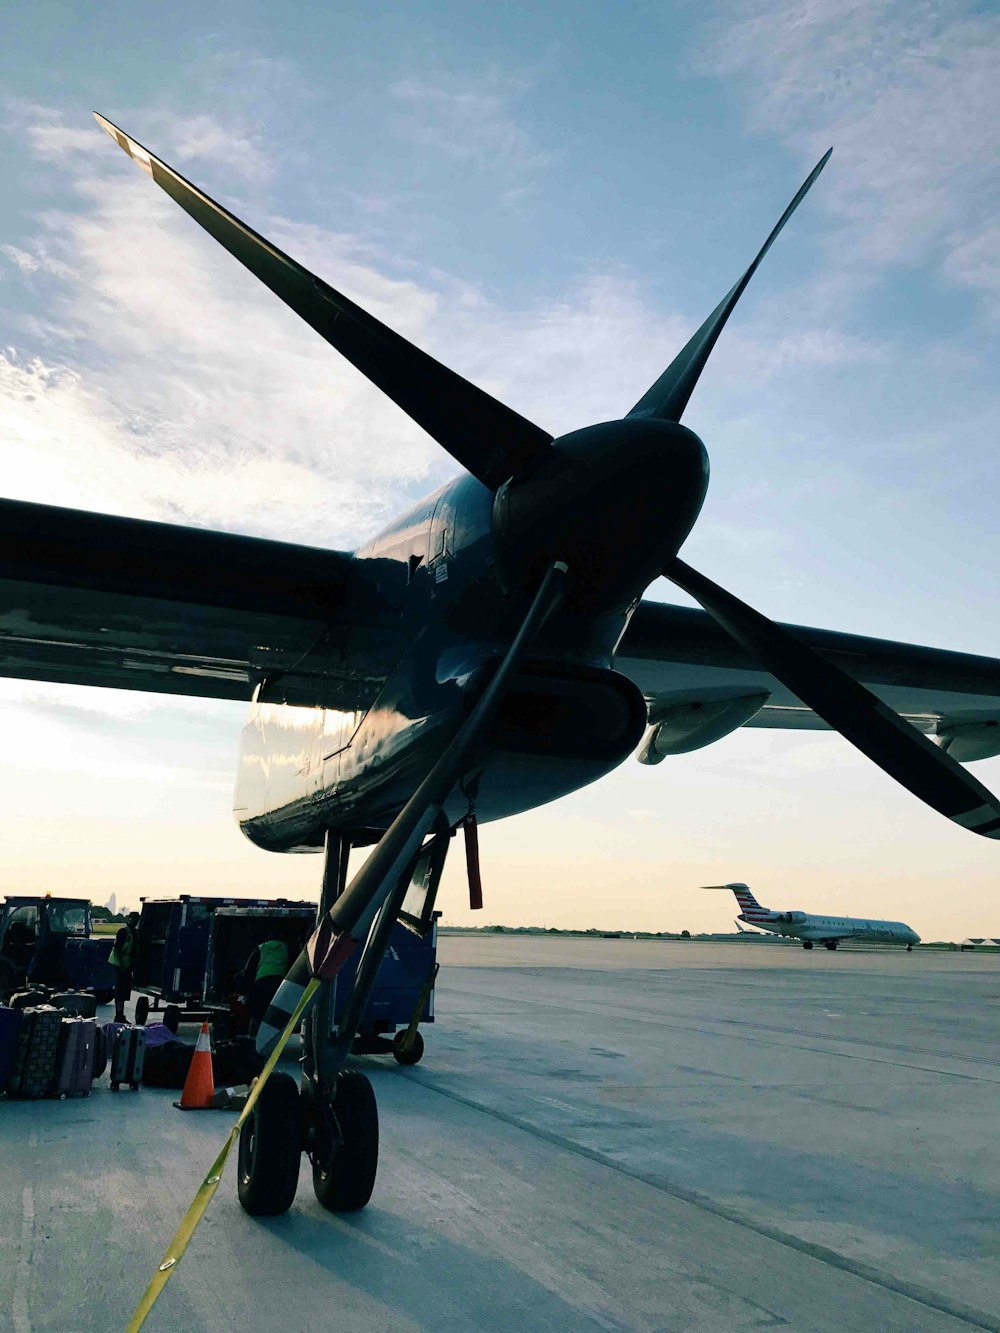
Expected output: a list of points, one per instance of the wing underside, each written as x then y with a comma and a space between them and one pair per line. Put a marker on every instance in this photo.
681, 659
92, 599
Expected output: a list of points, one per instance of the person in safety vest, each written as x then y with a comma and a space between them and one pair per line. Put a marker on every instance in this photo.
265, 970
122, 959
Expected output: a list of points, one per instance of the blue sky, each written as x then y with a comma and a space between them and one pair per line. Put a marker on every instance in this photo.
549, 200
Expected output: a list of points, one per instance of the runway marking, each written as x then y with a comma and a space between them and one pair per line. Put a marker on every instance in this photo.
910, 1291
19, 1313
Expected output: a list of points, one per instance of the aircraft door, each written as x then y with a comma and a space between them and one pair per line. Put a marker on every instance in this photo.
441, 542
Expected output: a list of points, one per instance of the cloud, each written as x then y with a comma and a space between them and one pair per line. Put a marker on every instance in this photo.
472, 125
910, 97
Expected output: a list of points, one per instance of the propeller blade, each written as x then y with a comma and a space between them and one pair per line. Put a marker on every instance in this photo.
490, 440
887, 739
668, 397
349, 920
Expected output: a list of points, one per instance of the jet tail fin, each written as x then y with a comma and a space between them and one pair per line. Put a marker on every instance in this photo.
749, 906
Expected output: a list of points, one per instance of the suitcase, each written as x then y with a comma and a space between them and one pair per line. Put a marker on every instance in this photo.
10, 1026
100, 1051
128, 1057
28, 999
76, 1002
75, 1063
36, 1052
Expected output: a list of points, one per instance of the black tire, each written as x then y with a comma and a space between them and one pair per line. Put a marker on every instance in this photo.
172, 1017
807, 944
271, 1149
411, 1056
141, 1010
348, 1183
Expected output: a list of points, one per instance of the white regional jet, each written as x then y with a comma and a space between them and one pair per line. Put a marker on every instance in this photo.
810, 929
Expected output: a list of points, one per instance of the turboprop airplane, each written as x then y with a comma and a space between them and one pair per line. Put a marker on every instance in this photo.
812, 929
488, 652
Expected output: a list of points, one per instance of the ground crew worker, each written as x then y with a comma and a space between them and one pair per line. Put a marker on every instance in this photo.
122, 959
267, 965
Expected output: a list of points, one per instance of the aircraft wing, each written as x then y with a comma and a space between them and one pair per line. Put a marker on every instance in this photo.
92, 599
690, 670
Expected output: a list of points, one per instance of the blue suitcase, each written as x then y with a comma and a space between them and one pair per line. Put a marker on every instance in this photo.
10, 1026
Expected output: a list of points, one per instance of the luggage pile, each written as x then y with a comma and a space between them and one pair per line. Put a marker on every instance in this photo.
51, 1045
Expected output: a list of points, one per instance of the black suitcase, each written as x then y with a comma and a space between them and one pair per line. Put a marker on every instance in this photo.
76, 1002
28, 999
128, 1057
100, 1051
36, 1053
10, 1026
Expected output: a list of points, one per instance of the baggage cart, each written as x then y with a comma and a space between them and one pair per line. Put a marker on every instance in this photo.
179, 965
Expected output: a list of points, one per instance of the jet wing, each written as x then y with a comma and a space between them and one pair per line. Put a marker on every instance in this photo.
93, 599
679, 656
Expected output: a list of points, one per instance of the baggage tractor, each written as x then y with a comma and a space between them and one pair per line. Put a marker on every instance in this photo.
100, 1051
76, 1002
10, 1026
75, 1064
36, 1052
128, 1057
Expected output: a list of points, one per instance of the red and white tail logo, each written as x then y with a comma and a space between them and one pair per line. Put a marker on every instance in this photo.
749, 906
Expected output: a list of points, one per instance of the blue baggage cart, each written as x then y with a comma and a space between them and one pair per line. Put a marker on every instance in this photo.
402, 997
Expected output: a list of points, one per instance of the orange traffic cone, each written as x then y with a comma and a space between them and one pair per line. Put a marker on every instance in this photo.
199, 1086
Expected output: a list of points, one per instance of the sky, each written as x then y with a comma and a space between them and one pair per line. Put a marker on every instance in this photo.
549, 199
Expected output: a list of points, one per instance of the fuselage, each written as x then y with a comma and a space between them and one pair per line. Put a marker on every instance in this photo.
811, 926
442, 599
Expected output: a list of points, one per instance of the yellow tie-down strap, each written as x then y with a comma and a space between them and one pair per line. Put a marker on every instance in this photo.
176, 1248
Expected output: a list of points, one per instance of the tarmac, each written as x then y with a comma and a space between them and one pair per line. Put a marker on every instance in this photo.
610, 1134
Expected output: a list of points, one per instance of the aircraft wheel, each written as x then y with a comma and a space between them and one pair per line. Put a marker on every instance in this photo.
831, 945
270, 1150
909, 948
410, 1055
141, 1010
807, 944
345, 1183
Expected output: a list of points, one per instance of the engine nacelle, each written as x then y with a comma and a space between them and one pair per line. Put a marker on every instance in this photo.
969, 741
791, 918
680, 728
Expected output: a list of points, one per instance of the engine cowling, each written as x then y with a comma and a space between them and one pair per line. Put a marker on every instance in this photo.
682, 727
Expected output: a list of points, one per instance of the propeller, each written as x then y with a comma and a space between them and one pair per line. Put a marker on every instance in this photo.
574, 500
668, 397
490, 440
887, 739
